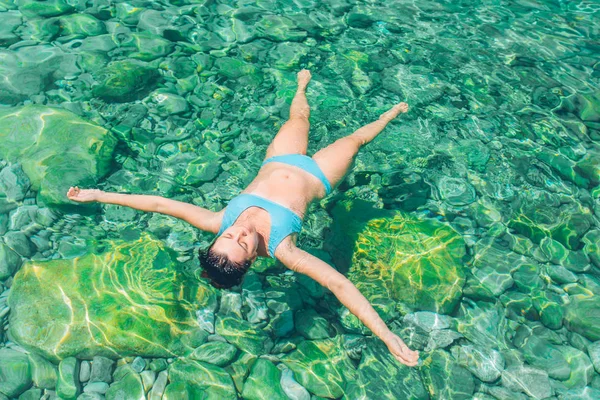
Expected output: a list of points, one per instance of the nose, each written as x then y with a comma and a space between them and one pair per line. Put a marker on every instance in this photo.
239, 234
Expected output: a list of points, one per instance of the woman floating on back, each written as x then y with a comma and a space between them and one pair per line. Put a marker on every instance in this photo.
264, 220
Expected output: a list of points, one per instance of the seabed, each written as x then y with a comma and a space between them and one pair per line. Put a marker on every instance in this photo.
472, 223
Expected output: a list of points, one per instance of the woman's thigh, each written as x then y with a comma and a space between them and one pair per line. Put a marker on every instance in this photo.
292, 138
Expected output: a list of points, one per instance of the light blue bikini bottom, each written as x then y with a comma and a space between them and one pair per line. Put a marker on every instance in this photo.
304, 162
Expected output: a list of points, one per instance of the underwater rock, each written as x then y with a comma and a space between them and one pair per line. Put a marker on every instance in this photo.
592, 246
43, 372
178, 390
9, 261
541, 354
442, 338
456, 191
125, 80
166, 103
233, 68
217, 353
10, 21
580, 365
481, 323
29, 70
263, 383
101, 369
445, 379
587, 393
527, 277
31, 394
594, 352
279, 28
531, 381
582, 315
68, 386
158, 388
287, 56
485, 364
311, 325
146, 46
15, 372
238, 370
428, 321
92, 305
203, 380
56, 149
49, 8
81, 25
194, 169
127, 385
539, 218
380, 375
14, 183
292, 389
321, 366
417, 262
243, 335
549, 307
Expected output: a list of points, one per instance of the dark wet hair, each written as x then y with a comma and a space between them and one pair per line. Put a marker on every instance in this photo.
220, 270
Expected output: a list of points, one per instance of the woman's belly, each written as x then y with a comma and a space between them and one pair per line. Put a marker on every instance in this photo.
289, 186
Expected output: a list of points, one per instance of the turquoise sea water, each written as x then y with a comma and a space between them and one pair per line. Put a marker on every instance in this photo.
471, 223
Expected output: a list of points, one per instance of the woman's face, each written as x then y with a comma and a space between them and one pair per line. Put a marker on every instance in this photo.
238, 242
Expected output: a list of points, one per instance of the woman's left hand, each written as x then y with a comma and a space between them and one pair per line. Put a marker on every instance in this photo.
400, 350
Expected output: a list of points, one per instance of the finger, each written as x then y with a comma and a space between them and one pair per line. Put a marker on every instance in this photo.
413, 355
400, 357
410, 356
406, 362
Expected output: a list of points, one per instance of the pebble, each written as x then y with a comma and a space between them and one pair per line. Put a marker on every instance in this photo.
84, 371
159, 386
138, 364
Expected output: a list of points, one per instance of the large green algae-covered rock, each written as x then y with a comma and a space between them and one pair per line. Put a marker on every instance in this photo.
131, 300
56, 149
417, 262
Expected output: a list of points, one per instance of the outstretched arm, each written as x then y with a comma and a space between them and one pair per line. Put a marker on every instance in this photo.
201, 218
300, 261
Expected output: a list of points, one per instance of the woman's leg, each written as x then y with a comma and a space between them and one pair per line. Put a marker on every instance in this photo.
335, 159
292, 138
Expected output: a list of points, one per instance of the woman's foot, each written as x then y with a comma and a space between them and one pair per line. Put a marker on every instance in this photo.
303, 79
394, 112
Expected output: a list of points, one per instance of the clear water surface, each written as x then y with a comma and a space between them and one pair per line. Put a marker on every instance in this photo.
471, 223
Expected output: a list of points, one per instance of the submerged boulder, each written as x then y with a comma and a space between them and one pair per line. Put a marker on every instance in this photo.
15, 373
201, 380
581, 316
322, 367
418, 262
56, 149
131, 300
126, 80
444, 378
380, 376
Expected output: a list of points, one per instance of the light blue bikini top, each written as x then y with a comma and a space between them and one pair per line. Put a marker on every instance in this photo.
284, 221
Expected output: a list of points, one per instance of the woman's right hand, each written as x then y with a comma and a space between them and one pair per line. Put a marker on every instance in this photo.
83, 195
400, 350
